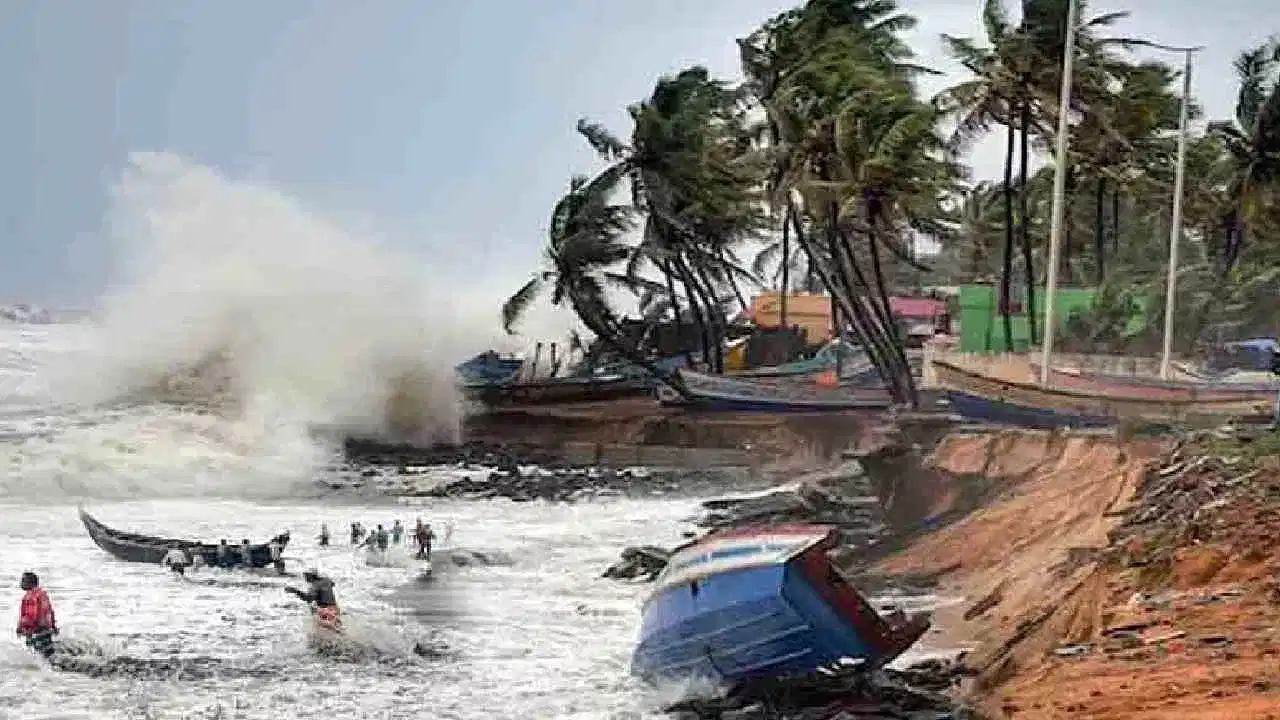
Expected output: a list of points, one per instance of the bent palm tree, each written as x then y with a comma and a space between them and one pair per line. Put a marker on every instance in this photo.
584, 244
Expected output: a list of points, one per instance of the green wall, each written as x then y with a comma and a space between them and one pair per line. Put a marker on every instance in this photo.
982, 327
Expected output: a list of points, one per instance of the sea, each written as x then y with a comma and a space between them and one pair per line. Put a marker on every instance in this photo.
238, 331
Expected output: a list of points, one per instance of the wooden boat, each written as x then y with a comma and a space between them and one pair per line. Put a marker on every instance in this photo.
1070, 403
761, 602
733, 394
555, 390
489, 367
824, 359
1157, 389
133, 547
984, 410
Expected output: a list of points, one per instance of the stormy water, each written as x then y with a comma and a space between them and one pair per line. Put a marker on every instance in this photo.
240, 330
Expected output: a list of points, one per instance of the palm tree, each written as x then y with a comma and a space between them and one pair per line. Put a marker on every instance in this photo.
850, 149
1253, 143
585, 246
693, 182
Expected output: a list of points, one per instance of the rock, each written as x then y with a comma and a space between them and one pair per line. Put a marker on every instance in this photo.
644, 563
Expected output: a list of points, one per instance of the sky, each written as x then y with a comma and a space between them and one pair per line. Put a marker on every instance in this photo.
445, 126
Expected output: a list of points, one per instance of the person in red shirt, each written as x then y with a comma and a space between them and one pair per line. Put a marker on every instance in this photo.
36, 622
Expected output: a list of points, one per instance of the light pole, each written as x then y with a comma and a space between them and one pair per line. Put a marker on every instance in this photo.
1059, 190
1175, 228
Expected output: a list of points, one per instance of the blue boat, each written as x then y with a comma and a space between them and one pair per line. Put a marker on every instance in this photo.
824, 359
762, 602
723, 393
999, 412
488, 367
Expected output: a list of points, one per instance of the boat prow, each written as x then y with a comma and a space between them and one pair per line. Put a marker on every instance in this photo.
762, 602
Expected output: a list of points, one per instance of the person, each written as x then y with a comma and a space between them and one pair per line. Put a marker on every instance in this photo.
224, 554
424, 535
276, 550
324, 535
397, 532
320, 595
36, 622
356, 533
177, 560
382, 539
246, 553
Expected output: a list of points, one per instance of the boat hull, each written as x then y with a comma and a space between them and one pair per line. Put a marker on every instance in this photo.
1155, 389
1114, 406
983, 410
563, 390
732, 394
736, 621
134, 547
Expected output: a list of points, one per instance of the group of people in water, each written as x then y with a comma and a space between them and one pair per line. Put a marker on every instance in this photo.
37, 624
381, 539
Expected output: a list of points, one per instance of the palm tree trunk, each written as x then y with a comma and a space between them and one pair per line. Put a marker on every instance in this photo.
1006, 270
693, 298
899, 348
716, 311
1024, 219
1099, 230
873, 326
786, 272
1115, 221
675, 307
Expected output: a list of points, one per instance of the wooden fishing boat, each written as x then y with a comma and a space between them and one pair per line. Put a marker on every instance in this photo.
555, 390
999, 412
823, 360
1072, 403
1157, 389
489, 367
734, 394
761, 602
134, 547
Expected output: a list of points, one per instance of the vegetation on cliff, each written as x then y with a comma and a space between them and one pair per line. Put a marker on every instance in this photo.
829, 157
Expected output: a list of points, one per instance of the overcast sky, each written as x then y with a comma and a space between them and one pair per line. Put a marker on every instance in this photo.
447, 124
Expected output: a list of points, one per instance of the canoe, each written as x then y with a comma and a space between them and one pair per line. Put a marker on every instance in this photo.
1114, 405
1157, 389
734, 394
133, 547
757, 603
824, 359
555, 390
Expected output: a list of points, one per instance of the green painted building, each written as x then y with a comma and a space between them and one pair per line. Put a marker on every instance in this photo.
982, 327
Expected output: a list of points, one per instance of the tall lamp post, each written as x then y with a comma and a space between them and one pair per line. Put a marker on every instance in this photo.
1175, 227
1059, 191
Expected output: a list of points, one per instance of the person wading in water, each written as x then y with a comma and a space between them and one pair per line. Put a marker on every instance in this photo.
320, 595
36, 623
178, 560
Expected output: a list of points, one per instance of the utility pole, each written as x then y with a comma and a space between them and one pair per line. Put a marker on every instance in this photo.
1059, 193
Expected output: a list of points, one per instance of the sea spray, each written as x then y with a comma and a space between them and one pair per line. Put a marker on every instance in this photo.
236, 324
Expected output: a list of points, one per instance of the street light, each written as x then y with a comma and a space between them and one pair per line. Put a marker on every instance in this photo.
1059, 190
1175, 229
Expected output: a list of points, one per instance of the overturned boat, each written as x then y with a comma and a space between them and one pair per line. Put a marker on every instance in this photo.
134, 547
762, 602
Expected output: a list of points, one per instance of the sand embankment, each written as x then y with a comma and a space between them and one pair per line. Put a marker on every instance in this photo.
1109, 579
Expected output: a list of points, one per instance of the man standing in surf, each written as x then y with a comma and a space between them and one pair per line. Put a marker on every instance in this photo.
36, 622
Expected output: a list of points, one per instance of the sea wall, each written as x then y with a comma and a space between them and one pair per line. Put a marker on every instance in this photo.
640, 432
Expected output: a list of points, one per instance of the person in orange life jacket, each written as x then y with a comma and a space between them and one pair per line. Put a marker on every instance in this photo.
320, 594
36, 622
